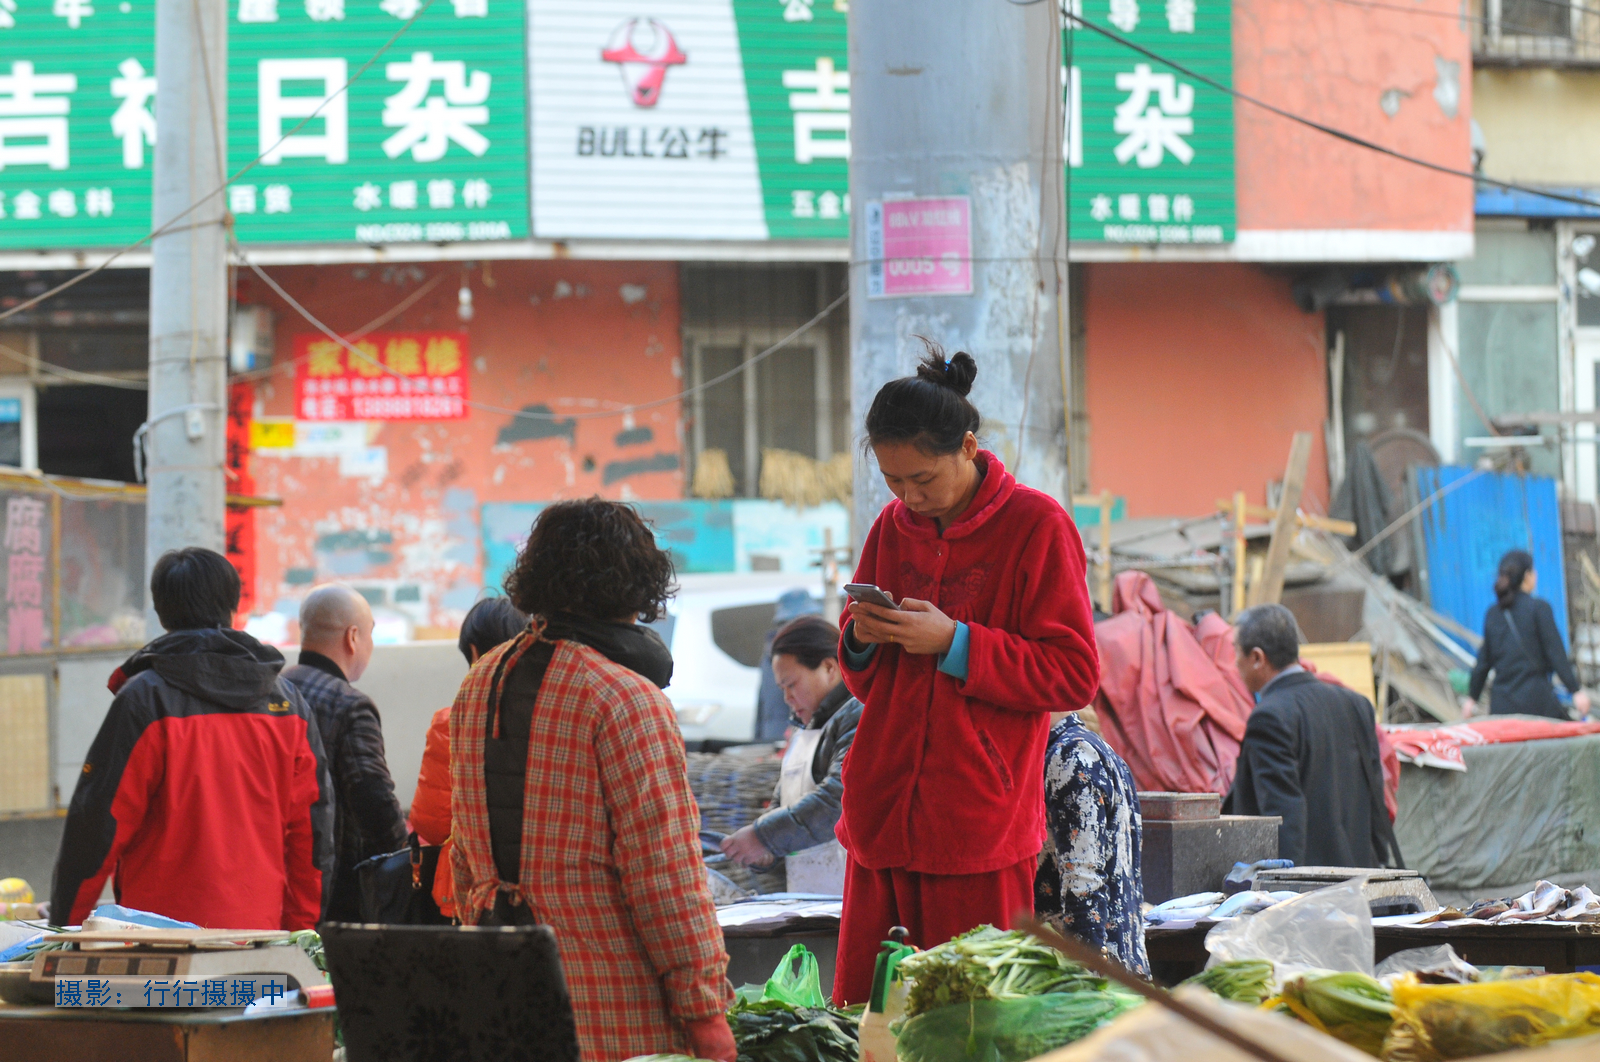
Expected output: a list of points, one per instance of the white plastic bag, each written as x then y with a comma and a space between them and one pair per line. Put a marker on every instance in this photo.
1330, 929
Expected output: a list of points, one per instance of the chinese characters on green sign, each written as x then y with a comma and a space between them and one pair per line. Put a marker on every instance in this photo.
428, 144
730, 120
76, 87
1149, 151
795, 58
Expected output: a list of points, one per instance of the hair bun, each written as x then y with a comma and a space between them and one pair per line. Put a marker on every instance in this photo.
955, 372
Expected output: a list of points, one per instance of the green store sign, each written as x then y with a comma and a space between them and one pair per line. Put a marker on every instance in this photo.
1149, 150
609, 119
429, 144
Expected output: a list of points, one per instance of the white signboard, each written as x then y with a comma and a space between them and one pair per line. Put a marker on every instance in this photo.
640, 124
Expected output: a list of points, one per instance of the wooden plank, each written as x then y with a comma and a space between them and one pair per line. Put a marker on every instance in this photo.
1241, 563
1349, 662
1270, 586
25, 747
1315, 523
1105, 551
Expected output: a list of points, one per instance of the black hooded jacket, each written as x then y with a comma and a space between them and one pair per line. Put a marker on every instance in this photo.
206, 791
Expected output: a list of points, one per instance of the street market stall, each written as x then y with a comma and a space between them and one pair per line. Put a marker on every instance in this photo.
1490, 806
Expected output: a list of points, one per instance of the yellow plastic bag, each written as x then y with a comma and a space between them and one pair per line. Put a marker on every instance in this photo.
1433, 1023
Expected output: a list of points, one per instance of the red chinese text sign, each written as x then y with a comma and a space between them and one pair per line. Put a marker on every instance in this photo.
403, 376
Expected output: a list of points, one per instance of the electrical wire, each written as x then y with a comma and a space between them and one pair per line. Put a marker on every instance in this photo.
71, 375
172, 224
621, 410
1311, 123
377, 322
1052, 42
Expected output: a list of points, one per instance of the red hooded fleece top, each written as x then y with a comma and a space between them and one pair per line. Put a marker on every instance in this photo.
946, 776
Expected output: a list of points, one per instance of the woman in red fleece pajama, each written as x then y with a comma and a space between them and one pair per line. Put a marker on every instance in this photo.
944, 788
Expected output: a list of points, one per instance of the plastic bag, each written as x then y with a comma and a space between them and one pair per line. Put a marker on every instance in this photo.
1433, 1023
1330, 929
1009, 1030
796, 981
1433, 965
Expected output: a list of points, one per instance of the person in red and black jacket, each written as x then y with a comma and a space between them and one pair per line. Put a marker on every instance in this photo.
206, 791
943, 810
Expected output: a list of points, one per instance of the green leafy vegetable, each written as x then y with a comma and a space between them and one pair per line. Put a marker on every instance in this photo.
989, 963
311, 943
1009, 1030
1239, 980
1348, 1006
771, 1030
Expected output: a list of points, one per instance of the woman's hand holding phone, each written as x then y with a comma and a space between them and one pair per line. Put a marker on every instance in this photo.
916, 626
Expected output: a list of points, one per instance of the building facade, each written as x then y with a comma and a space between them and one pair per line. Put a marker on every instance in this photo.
556, 283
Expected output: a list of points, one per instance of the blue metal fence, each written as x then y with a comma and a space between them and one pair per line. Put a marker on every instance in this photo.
1468, 530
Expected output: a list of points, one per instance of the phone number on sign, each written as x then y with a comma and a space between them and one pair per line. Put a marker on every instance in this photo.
406, 407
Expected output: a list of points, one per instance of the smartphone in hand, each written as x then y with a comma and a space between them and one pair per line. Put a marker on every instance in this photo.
870, 594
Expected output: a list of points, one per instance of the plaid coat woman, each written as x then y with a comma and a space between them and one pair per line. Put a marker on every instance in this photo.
610, 852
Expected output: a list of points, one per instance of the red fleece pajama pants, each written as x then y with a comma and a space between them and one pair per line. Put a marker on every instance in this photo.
934, 907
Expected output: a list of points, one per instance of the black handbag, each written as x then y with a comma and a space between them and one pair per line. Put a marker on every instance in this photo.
397, 888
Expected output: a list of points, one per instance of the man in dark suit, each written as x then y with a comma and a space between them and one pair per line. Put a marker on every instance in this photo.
1310, 753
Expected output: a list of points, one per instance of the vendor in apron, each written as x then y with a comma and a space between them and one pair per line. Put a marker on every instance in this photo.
805, 662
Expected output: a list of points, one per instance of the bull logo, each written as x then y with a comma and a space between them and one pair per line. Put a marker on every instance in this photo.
643, 68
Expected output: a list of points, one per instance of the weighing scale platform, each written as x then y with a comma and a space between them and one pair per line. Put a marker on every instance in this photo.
37, 1030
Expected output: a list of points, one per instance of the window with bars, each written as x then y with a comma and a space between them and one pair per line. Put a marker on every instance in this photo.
760, 421
1558, 31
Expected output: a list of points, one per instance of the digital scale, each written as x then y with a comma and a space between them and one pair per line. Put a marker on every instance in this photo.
1387, 891
126, 960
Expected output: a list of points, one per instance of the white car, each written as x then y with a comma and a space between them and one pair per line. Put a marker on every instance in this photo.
716, 627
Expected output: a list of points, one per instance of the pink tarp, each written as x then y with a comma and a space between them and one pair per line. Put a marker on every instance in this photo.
1441, 746
1166, 703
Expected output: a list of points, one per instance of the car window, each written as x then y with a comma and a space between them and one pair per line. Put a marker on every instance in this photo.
741, 632
664, 626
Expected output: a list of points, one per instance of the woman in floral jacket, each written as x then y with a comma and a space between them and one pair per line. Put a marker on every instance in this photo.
571, 804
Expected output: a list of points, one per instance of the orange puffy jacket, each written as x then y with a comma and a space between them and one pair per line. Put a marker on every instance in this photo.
430, 807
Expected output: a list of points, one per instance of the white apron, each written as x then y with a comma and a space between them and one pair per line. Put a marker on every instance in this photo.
795, 782
819, 869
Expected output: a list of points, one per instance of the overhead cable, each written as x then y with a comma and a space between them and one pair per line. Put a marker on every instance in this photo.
621, 409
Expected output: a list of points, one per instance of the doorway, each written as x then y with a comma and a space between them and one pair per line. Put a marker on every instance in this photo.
86, 430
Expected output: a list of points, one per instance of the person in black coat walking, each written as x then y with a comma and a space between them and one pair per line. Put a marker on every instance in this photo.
1521, 645
1310, 753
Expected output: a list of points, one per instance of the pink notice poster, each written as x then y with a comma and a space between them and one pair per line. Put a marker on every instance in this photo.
919, 247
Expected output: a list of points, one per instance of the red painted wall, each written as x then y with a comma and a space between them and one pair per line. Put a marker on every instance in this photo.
579, 337
1333, 62
1197, 375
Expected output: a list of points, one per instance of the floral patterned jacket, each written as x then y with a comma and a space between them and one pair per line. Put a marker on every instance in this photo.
1088, 880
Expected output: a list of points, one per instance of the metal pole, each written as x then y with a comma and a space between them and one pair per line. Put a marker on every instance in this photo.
185, 442
967, 101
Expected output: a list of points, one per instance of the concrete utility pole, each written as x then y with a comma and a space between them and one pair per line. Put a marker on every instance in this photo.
966, 100
185, 444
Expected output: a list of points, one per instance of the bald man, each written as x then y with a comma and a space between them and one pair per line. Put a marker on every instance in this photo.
335, 647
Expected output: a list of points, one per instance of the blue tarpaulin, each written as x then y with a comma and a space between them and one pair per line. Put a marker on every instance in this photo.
1468, 530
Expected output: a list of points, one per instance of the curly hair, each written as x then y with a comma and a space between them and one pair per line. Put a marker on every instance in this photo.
592, 557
